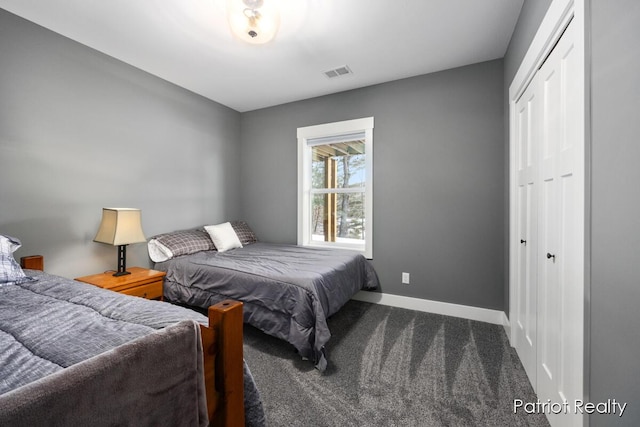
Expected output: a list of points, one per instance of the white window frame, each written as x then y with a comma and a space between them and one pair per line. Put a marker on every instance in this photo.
326, 132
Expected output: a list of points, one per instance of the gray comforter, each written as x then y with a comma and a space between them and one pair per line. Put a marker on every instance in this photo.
55, 332
288, 291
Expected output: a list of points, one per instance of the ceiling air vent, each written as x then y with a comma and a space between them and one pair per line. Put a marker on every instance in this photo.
337, 72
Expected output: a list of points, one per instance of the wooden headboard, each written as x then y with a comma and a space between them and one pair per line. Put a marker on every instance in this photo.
32, 262
223, 357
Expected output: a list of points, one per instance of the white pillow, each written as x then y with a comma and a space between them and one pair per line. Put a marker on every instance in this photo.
224, 236
158, 252
10, 271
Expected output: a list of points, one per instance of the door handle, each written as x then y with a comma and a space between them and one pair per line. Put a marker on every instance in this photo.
549, 256
523, 241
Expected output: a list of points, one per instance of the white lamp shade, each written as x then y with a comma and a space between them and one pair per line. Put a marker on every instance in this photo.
120, 226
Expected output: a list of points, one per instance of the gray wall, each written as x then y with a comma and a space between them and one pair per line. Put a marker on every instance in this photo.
531, 16
438, 178
615, 207
80, 131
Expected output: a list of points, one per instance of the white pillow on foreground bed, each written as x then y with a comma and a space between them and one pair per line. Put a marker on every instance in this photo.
10, 271
224, 236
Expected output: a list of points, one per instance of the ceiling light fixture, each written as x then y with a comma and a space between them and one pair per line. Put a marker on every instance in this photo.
253, 21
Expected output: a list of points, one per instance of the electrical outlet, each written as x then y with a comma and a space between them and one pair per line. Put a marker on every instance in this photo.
405, 278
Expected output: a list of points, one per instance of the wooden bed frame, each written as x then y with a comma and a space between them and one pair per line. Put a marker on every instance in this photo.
223, 357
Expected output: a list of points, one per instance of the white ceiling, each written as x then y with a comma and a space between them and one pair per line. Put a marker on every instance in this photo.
187, 42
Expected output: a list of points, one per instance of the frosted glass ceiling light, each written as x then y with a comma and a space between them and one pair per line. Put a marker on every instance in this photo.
253, 21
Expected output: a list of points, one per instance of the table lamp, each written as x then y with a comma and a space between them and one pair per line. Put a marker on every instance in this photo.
120, 227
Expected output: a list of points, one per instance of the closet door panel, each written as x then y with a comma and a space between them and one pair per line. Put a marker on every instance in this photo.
559, 250
527, 209
548, 213
548, 305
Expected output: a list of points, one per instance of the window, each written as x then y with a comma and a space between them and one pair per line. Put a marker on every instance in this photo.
335, 185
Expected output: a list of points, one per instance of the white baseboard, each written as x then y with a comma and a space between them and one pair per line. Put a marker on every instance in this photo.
496, 317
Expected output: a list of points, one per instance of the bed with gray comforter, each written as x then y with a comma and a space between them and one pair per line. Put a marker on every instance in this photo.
65, 345
288, 291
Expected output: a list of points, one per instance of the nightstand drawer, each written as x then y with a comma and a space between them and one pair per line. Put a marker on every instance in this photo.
149, 291
141, 282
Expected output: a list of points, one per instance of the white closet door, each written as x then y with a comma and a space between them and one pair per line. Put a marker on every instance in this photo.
526, 176
560, 221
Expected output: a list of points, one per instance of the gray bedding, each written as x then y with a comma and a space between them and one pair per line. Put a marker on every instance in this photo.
288, 291
56, 331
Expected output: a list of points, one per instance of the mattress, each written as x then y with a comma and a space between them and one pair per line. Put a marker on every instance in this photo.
52, 325
288, 291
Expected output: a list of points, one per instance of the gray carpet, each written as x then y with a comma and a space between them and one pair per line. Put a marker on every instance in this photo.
394, 367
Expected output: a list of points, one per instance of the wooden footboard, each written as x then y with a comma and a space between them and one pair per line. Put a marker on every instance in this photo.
223, 364
223, 358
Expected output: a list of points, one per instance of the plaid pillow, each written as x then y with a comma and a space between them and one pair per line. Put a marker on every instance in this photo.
244, 232
186, 242
10, 271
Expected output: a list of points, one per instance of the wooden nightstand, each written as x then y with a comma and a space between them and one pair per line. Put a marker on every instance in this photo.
142, 282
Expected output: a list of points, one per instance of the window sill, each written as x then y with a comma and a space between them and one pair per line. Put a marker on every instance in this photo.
360, 249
